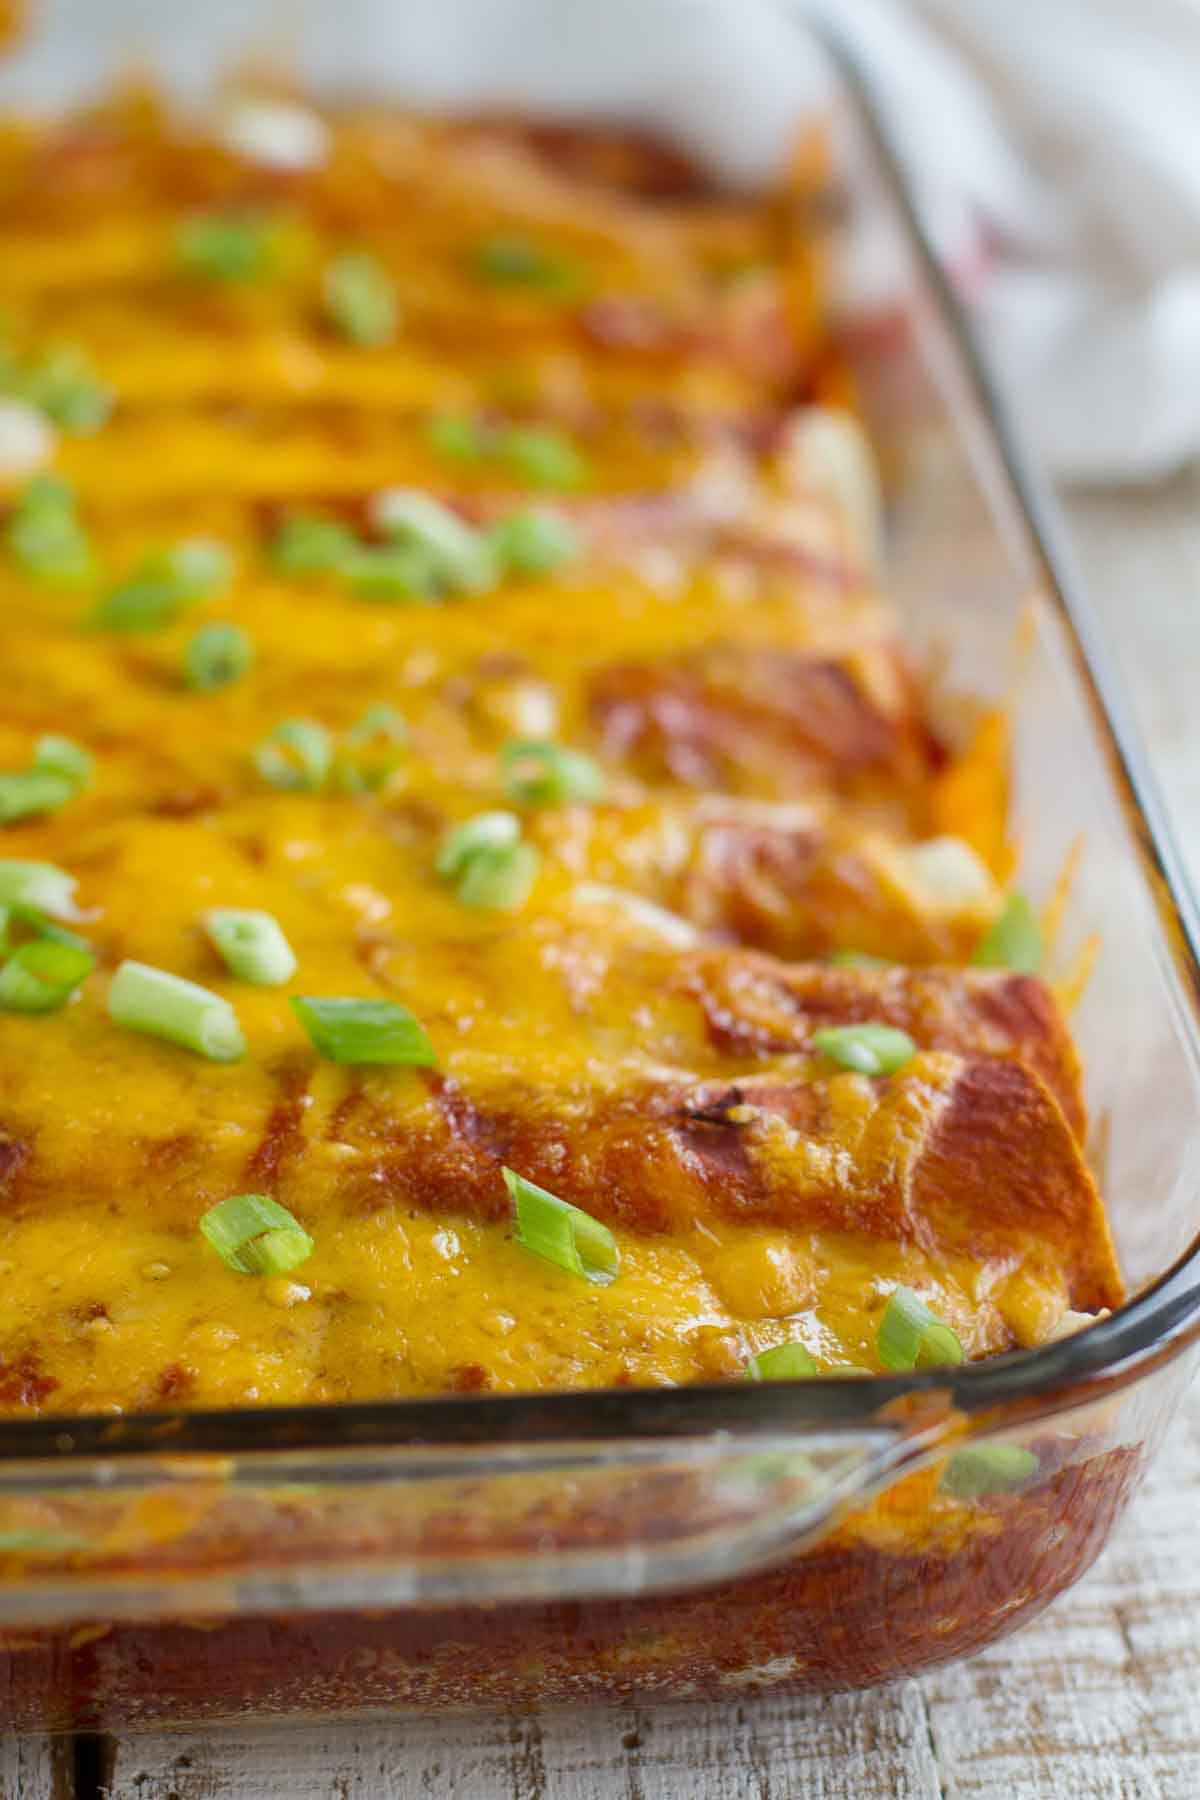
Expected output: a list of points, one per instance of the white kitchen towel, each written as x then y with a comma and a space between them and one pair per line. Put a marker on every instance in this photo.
1054, 146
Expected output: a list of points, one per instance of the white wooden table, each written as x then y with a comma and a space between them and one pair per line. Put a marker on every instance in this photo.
1097, 1700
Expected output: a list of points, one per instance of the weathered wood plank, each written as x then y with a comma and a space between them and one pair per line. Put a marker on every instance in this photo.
835, 1749
28, 1770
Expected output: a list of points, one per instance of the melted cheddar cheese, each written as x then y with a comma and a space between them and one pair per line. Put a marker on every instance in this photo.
637, 1036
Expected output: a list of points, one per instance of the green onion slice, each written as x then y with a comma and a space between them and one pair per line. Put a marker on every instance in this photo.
563, 1234
216, 656
359, 297
166, 1006
38, 885
1013, 940
499, 880
458, 437
392, 572
517, 262
49, 1543
163, 583
199, 567
17, 919
859, 959
232, 246
143, 603
541, 456
486, 831
535, 540
60, 383
26, 793
45, 535
254, 1235
982, 1469
309, 544
251, 945
870, 1049
371, 750
461, 557
43, 974
786, 1362
63, 756
539, 773
912, 1337
364, 1031
297, 756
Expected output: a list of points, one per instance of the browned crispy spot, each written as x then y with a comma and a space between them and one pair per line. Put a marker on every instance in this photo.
184, 802
283, 1135
175, 1382
779, 722
23, 1383
13, 1154
468, 1378
168, 1152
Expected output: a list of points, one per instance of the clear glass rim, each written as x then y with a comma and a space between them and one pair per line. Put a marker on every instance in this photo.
1150, 1329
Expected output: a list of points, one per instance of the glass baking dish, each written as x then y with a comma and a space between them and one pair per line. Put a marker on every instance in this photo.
508, 1551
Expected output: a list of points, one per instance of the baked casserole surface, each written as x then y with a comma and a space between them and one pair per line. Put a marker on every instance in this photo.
456, 542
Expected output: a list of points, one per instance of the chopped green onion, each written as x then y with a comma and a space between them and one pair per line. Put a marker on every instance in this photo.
166, 1006
42, 975
786, 1362
1013, 940
461, 557
307, 544
858, 959
162, 585
231, 246
251, 944
61, 384
912, 1337
50, 1543
392, 572
35, 924
63, 756
38, 885
499, 880
562, 1234
486, 831
364, 1031
26, 793
296, 756
360, 298
541, 456
45, 535
536, 772
493, 869
254, 1235
534, 541
371, 750
458, 437
516, 262
142, 603
216, 656
199, 567
870, 1049
982, 1469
